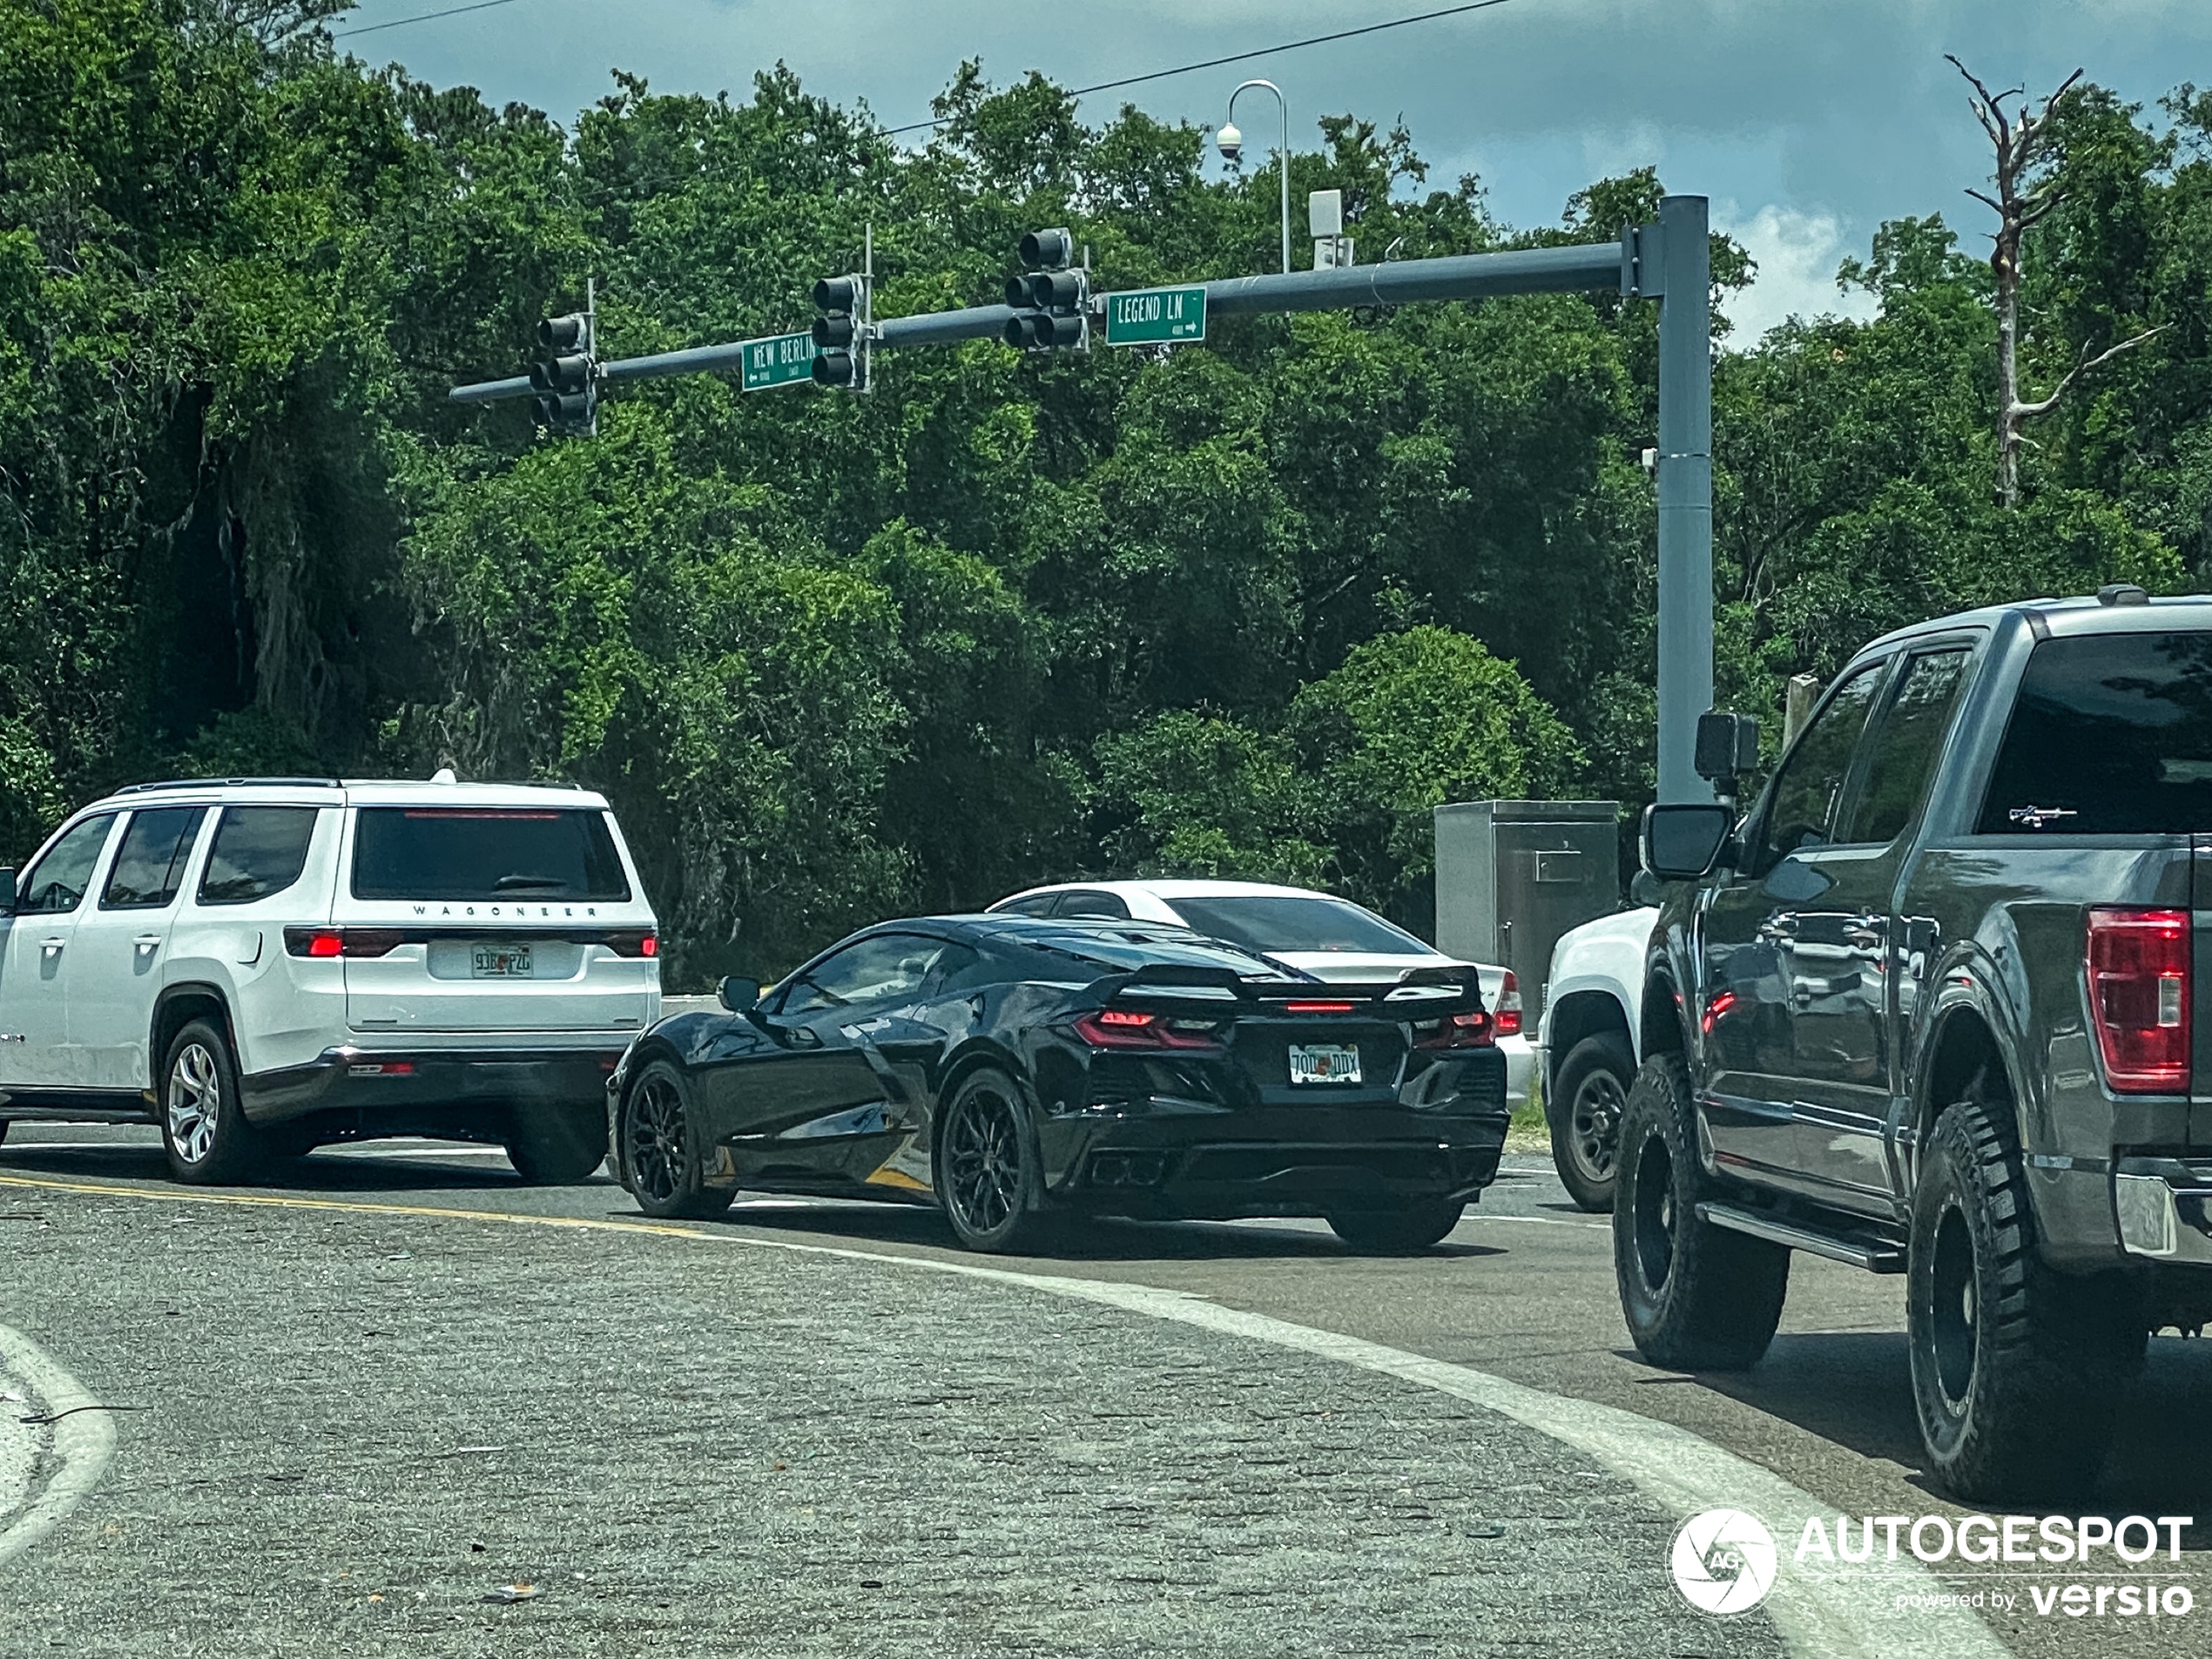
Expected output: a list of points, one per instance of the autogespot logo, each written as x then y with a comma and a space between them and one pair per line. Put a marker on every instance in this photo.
1724, 1562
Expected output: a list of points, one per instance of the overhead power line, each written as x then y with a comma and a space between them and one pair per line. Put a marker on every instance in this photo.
1239, 57
423, 16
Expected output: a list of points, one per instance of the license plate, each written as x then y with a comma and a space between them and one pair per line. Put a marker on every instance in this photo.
1324, 1062
502, 962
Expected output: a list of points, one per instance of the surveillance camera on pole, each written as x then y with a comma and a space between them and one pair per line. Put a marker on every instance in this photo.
1051, 303
564, 377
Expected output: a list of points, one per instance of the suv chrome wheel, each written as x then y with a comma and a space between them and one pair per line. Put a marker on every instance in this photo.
195, 1103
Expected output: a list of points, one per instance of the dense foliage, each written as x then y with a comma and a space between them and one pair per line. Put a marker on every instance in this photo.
1252, 608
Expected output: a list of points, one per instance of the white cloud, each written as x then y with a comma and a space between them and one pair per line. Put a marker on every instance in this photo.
1798, 252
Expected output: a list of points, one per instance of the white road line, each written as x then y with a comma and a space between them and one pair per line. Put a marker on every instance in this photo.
1821, 1612
84, 1440
1545, 1221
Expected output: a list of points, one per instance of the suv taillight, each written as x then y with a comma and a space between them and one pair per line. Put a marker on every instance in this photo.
342, 941
645, 944
1509, 1006
2139, 998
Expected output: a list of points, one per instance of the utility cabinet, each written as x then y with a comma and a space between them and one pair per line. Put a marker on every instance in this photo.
1512, 875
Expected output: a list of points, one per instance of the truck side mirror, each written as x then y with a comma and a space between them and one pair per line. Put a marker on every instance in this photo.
1683, 839
738, 994
1728, 748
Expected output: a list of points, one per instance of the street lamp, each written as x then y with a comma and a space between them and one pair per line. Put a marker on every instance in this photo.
1231, 144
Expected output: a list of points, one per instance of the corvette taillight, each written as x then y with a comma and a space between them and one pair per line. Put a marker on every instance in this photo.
1137, 1029
1473, 1029
342, 941
2140, 968
1508, 1016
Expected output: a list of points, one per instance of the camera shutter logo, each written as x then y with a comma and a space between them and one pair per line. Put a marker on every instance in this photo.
1724, 1562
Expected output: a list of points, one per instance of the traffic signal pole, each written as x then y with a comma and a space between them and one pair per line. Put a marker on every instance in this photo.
1669, 261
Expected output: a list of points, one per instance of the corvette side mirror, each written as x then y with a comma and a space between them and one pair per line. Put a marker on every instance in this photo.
738, 994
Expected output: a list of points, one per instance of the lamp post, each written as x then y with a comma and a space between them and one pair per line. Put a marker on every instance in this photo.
1231, 144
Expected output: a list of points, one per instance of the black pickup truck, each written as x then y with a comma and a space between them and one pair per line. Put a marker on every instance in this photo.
1929, 1007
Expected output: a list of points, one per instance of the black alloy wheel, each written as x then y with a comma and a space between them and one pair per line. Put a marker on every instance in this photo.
1695, 1297
987, 1165
2016, 1366
661, 1150
1594, 1082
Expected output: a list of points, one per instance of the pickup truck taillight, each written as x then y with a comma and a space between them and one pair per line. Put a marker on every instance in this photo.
1508, 1020
2139, 998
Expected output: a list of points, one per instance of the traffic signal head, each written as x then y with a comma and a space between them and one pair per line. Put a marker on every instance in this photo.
1047, 250
840, 332
565, 375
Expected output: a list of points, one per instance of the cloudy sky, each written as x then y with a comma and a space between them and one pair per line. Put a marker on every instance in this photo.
1807, 122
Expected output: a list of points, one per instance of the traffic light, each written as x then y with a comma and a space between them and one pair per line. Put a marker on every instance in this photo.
1051, 303
841, 333
565, 375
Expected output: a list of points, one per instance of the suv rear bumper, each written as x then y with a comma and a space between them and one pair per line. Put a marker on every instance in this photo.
348, 1079
2164, 1210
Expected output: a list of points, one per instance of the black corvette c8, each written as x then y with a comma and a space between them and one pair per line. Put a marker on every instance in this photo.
1008, 1068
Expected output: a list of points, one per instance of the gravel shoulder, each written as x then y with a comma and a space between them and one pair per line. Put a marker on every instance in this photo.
357, 1426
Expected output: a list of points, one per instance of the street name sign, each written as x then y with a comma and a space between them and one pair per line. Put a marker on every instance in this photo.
780, 360
1155, 316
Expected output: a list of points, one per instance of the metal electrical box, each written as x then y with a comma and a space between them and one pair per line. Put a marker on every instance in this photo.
1512, 875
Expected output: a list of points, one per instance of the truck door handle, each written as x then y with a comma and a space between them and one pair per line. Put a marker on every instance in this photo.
53, 946
147, 941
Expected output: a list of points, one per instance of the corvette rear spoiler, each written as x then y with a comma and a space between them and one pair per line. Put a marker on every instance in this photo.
1420, 993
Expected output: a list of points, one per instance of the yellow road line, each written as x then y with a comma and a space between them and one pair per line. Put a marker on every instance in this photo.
356, 1206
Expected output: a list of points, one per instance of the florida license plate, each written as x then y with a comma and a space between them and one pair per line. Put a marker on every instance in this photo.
1324, 1062
502, 962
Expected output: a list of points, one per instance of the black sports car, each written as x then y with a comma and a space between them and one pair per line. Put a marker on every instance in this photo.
1005, 1068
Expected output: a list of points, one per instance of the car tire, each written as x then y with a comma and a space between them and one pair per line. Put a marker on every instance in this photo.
203, 1119
1594, 1083
1397, 1232
1696, 1297
990, 1176
2014, 1365
664, 1152
556, 1146
4, 1128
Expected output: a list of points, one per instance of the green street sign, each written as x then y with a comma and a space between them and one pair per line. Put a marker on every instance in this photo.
780, 360
1155, 316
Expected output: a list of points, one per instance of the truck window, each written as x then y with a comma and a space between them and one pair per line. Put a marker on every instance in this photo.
2111, 735
1801, 810
1906, 746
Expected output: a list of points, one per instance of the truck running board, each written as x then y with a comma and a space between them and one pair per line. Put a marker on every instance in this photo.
1871, 1254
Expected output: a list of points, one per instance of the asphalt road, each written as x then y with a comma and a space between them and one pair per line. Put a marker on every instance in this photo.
708, 1451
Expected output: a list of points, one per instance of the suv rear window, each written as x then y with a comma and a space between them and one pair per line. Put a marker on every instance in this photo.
2111, 735
476, 853
258, 850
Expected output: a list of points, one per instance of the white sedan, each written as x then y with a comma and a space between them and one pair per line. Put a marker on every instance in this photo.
1325, 936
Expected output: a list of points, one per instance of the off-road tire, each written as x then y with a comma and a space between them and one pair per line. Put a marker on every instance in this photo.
556, 1146
1594, 1083
1696, 1297
1397, 1232
989, 1172
2014, 1365
203, 1118
664, 1152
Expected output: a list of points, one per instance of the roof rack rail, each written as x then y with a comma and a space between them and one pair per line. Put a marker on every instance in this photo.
203, 783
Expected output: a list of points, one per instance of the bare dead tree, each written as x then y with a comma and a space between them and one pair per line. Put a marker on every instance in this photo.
2027, 193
